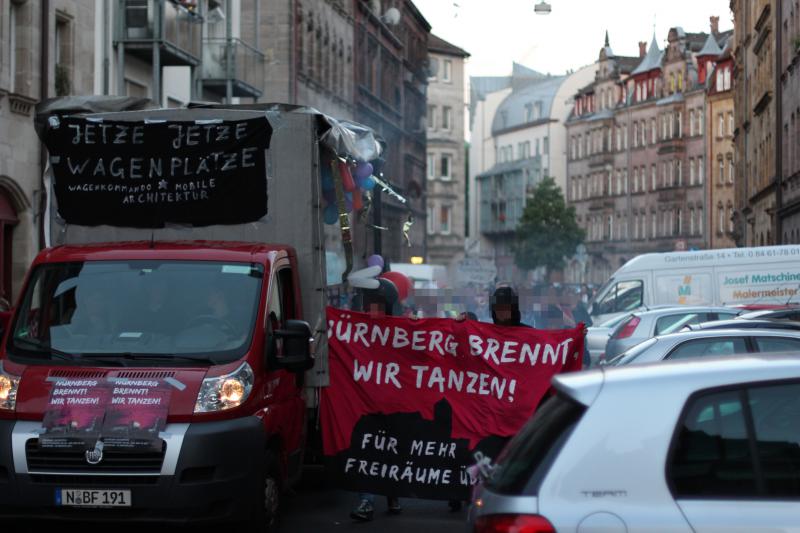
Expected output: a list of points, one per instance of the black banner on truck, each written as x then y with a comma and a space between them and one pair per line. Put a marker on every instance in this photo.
148, 174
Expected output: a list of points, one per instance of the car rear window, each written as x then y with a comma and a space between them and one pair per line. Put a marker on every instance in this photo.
626, 357
525, 460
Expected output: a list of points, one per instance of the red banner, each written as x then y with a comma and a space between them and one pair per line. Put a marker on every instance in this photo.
431, 392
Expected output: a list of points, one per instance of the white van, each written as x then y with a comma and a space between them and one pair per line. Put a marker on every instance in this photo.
736, 276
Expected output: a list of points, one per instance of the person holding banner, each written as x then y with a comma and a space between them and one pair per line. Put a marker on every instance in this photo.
377, 303
505, 308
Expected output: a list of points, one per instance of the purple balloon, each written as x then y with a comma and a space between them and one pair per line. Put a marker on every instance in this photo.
363, 170
375, 260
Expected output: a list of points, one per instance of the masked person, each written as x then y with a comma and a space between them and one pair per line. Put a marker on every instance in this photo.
505, 308
377, 303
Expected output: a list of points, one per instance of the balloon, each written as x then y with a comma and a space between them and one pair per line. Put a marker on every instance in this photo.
327, 179
401, 281
347, 178
331, 214
375, 260
358, 202
368, 183
329, 195
363, 170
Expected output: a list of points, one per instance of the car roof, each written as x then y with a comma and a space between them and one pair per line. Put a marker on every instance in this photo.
683, 309
737, 323
693, 373
730, 332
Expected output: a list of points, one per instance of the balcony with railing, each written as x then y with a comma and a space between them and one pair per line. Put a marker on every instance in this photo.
232, 61
174, 27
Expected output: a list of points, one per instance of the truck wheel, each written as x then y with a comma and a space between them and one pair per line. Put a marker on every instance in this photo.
268, 505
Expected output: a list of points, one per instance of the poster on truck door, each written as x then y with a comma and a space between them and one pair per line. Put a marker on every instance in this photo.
415, 405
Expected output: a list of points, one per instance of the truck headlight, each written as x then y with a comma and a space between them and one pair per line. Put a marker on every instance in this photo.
8, 389
225, 392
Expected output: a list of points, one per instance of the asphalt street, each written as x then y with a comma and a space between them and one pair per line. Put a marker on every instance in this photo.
316, 507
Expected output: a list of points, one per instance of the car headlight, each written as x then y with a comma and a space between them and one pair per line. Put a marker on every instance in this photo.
225, 392
8, 390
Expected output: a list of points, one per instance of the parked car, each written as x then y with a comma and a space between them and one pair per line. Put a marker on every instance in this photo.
596, 458
773, 314
709, 343
744, 324
597, 338
642, 325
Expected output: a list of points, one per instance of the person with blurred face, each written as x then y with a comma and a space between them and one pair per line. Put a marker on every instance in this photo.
505, 308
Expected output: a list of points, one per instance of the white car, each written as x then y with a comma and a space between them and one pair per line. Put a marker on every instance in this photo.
699, 446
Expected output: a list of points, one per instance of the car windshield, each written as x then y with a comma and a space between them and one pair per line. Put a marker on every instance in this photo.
175, 309
626, 357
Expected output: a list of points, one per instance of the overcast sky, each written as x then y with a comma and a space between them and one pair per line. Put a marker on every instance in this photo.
497, 32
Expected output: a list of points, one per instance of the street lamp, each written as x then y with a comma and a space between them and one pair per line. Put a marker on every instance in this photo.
542, 8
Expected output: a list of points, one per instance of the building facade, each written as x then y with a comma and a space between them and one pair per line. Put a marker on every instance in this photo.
720, 125
391, 80
46, 49
637, 155
446, 153
789, 72
755, 97
526, 142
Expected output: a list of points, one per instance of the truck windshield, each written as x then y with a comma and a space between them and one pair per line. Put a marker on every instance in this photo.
184, 310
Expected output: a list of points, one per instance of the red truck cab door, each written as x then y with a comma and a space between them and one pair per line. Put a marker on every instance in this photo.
283, 390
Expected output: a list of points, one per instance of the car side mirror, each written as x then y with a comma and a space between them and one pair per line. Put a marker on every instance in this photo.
295, 338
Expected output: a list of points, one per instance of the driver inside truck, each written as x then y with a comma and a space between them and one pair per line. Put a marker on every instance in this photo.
92, 314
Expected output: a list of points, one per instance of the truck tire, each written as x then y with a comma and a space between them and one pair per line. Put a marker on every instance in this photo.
268, 505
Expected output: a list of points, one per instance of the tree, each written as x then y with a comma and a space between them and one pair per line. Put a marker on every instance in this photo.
548, 232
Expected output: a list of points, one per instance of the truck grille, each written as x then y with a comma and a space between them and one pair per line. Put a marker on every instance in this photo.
54, 460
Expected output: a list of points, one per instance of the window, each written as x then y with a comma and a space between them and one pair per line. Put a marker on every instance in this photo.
653, 225
691, 221
730, 124
699, 122
730, 218
777, 344
447, 71
709, 348
431, 166
625, 181
691, 171
730, 169
431, 220
635, 134
720, 125
546, 145
619, 138
679, 221
537, 147
653, 178
691, 122
712, 454
63, 49
679, 171
726, 451
444, 219
447, 118
528, 456
721, 219
432, 117
447, 166
700, 170
721, 171
635, 181
644, 133
679, 123
667, 324
653, 131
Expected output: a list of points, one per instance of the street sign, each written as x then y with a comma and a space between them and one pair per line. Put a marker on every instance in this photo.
475, 270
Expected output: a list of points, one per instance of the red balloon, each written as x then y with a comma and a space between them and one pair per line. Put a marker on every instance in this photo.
357, 201
347, 178
401, 281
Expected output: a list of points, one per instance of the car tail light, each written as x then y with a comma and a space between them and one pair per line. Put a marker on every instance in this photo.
627, 330
513, 523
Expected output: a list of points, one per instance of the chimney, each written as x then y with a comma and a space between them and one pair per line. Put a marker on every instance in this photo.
714, 25
642, 48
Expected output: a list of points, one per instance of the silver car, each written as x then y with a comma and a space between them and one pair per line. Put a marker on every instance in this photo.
710, 343
642, 325
714, 448
597, 338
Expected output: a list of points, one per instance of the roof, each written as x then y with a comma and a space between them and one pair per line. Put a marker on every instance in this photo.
510, 166
652, 60
512, 111
683, 376
438, 45
710, 48
627, 63
144, 250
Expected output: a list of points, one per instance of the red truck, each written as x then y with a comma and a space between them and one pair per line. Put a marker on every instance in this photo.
158, 375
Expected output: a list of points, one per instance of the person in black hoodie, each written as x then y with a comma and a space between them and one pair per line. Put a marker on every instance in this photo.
505, 308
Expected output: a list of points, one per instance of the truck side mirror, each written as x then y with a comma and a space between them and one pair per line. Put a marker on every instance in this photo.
296, 340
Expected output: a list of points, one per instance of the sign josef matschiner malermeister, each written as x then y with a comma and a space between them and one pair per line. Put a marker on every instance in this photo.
148, 174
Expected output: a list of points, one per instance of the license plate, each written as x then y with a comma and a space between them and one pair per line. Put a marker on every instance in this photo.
93, 498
